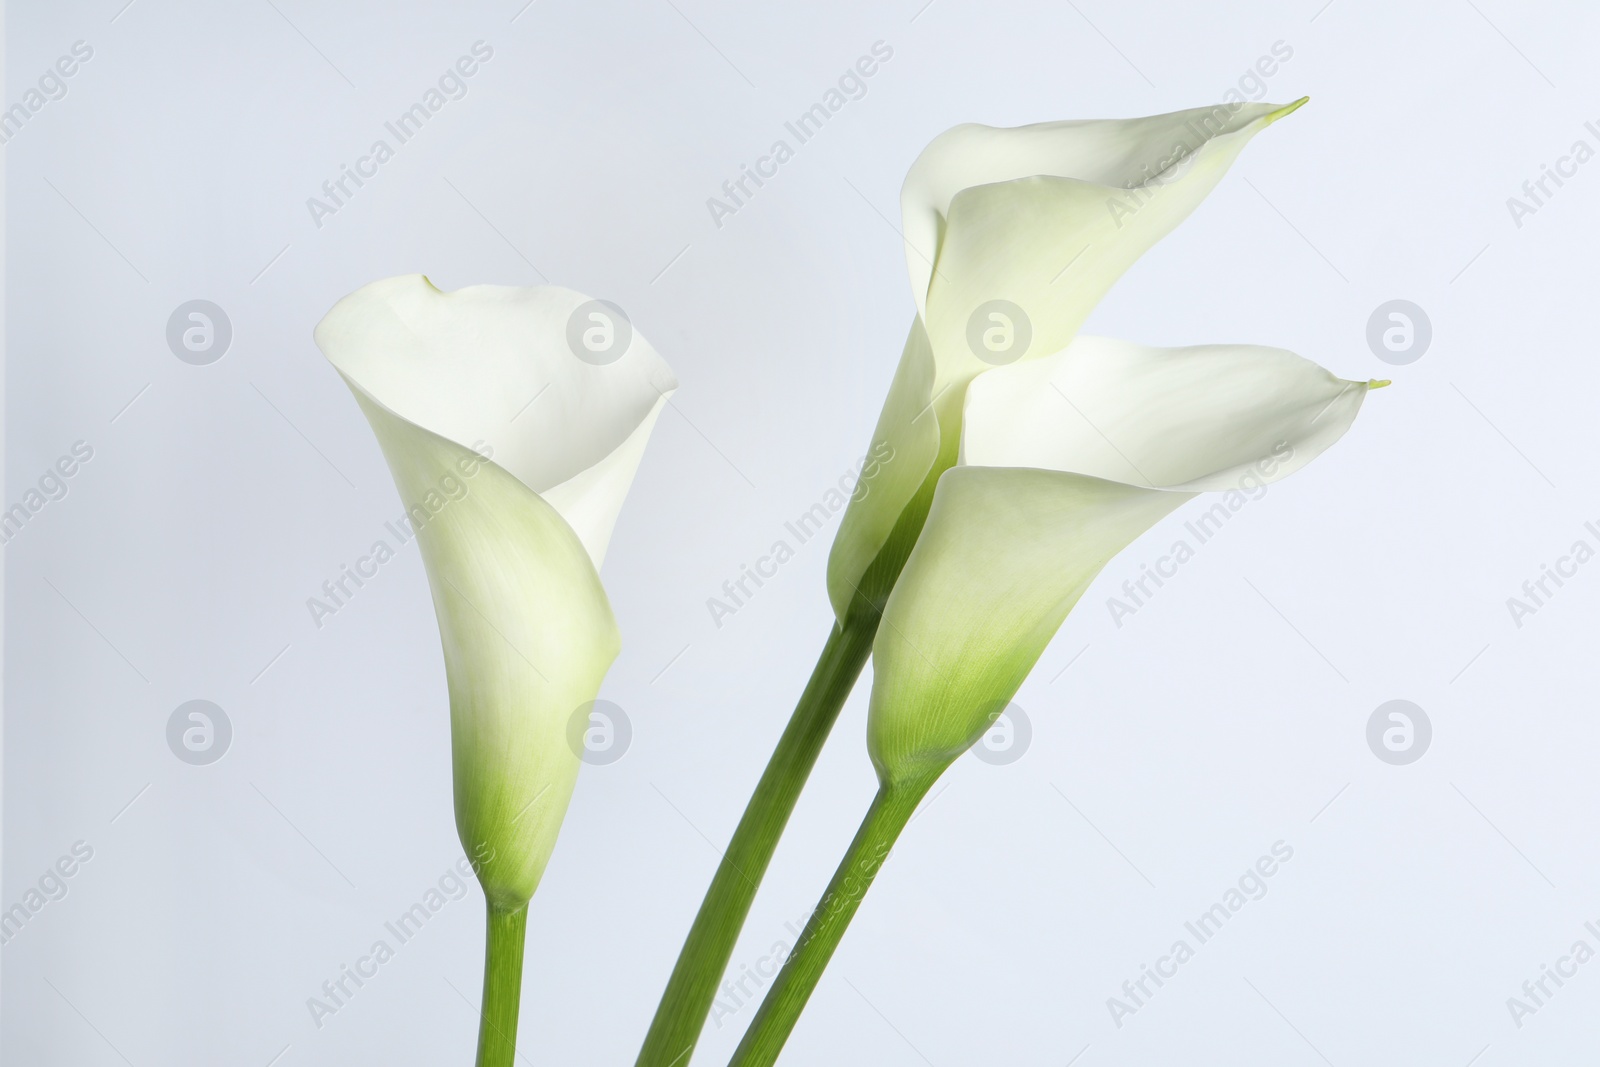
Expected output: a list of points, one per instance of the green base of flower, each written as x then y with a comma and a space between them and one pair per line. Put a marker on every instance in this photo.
693, 986
502, 986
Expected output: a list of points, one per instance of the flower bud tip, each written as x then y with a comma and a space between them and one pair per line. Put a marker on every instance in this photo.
1287, 109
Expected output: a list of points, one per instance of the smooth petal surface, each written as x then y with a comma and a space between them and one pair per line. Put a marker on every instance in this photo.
1178, 418
493, 364
1017, 234
1005, 554
528, 635
512, 544
1107, 160
909, 426
1066, 461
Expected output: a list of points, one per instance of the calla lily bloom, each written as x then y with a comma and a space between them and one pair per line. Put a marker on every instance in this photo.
1063, 462
1012, 236
512, 452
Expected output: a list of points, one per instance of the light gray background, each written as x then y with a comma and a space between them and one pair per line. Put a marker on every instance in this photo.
1228, 714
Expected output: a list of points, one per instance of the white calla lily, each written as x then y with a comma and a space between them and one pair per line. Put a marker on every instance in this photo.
1064, 462
1005, 497
1012, 236
512, 454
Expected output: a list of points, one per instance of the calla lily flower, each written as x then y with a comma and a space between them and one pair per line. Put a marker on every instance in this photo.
1064, 462
1012, 236
512, 453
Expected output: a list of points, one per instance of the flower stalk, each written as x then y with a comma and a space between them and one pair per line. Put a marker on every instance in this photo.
690, 991
693, 985
973, 546
502, 986
892, 808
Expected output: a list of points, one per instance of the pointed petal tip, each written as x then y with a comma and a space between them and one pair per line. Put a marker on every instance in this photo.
1377, 383
1287, 109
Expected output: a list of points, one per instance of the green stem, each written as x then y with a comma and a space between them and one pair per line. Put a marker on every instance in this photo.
693, 985
891, 810
502, 986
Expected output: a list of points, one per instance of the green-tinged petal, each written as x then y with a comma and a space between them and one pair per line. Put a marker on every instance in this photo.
497, 365
1005, 554
1115, 155
1040, 250
528, 635
512, 448
1064, 462
905, 447
1029, 227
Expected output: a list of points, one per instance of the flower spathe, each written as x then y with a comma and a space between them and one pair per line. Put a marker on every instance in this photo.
1034, 225
520, 454
1026, 456
1063, 462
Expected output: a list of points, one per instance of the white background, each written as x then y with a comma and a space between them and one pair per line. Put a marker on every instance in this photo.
1228, 714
